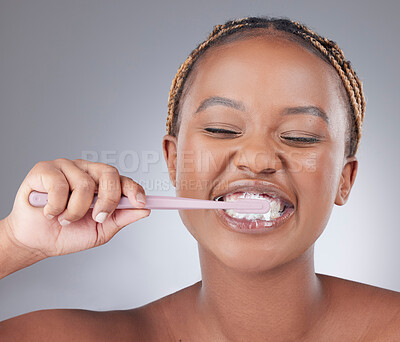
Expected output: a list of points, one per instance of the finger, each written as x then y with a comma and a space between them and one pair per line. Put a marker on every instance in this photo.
133, 191
109, 193
45, 177
129, 188
121, 218
109, 187
86, 165
82, 187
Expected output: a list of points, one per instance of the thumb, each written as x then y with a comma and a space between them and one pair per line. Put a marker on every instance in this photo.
121, 218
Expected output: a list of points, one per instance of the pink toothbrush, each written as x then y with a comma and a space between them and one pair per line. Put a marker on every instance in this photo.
241, 205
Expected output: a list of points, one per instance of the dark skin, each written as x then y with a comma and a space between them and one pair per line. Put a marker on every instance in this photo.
254, 287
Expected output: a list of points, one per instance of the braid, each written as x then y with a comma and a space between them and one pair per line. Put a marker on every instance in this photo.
325, 48
349, 78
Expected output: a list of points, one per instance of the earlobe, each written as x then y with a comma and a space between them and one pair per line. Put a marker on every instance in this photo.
170, 154
347, 179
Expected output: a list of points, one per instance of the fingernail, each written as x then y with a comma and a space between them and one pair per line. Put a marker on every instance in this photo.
101, 217
50, 217
140, 198
65, 222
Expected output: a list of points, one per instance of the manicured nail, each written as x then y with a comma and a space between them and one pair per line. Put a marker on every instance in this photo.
101, 217
50, 217
140, 198
65, 222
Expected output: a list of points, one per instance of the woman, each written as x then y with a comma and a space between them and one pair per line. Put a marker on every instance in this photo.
263, 106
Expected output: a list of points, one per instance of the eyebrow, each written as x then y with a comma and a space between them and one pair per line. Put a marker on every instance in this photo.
218, 100
224, 101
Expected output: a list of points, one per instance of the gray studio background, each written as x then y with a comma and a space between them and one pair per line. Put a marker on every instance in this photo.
91, 78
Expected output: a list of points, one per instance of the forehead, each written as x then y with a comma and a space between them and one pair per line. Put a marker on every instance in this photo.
265, 72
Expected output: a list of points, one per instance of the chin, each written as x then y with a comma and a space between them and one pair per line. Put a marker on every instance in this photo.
248, 253
243, 256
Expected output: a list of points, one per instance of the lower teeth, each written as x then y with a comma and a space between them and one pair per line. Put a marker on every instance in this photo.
265, 217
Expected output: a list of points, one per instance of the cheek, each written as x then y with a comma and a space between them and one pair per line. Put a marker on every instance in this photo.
199, 164
198, 167
316, 177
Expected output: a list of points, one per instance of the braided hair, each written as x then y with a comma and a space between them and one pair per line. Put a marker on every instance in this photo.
324, 48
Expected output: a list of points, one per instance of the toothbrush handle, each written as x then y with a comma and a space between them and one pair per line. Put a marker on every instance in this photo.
39, 199
170, 202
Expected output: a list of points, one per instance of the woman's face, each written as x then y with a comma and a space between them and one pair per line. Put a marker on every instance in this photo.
269, 79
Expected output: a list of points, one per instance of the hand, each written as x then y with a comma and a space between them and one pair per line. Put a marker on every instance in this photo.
63, 226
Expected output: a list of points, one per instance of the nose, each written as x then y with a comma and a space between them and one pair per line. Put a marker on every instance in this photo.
257, 154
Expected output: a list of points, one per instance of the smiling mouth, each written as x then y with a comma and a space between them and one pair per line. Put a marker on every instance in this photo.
278, 206
280, 211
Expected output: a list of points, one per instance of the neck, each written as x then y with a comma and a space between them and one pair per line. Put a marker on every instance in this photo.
282, 304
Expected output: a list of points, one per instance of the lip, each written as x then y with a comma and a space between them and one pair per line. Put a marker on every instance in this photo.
257, 186
253, 226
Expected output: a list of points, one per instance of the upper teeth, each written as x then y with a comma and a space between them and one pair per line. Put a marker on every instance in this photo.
276, 205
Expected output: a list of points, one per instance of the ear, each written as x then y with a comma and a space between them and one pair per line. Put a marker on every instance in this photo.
170, 153
346, 180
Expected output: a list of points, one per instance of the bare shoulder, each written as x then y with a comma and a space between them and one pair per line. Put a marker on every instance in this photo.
150, 322
374, 310
170, 318
74, 325
359, 295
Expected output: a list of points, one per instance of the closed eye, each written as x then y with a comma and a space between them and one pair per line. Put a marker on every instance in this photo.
220, 130
305, 140
302, 139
